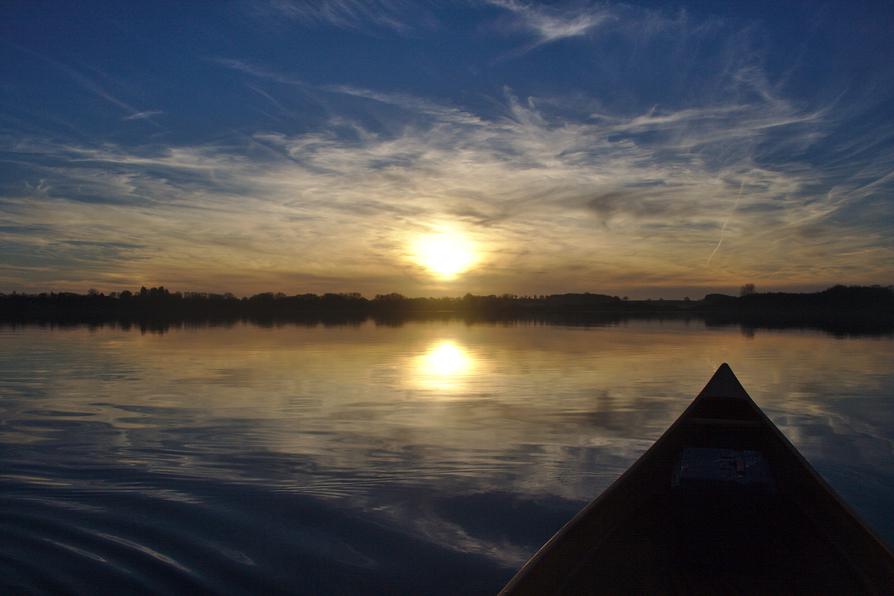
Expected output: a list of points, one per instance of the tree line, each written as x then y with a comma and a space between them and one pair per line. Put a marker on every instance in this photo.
873, 305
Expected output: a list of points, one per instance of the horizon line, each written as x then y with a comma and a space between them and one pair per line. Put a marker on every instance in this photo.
117, 293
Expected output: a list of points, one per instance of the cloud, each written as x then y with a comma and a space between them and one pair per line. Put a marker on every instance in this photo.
257, 71
92, 86
725, 223
549, 24
532, 188
144, 115
560, 192
404, 101
395, 15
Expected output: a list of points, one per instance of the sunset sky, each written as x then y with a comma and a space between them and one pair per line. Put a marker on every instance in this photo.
439, 148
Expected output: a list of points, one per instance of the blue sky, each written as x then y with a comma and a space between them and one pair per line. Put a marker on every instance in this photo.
661, 149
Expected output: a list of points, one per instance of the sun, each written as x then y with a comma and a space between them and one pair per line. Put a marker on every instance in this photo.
445, 254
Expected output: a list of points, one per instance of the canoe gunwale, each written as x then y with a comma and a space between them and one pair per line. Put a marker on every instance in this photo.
515, 585
848, 523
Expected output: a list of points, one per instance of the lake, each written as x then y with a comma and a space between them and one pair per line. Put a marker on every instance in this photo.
429, 457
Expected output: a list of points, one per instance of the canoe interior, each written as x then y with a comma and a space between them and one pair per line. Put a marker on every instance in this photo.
650, 533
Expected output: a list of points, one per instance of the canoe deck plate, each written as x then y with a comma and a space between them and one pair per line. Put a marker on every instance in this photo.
713, 468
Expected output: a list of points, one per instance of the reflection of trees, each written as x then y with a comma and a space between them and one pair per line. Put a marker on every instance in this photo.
839, 309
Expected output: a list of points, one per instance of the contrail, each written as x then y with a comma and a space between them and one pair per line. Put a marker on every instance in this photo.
726, 221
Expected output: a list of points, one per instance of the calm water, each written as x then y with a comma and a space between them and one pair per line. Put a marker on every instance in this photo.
427, 458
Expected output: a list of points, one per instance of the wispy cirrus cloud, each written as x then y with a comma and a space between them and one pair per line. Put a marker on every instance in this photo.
396, 15
91, 85
544, 194
256, 70
710, 181
553, 23
143, 115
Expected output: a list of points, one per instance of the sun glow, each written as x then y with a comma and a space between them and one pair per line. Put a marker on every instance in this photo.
445, 254
444, 366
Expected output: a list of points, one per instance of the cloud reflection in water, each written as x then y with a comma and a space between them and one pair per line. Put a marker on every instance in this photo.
374, 455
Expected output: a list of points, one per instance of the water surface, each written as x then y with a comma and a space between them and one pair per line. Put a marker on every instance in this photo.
423, 458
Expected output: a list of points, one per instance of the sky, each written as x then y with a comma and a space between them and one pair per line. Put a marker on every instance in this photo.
641, 149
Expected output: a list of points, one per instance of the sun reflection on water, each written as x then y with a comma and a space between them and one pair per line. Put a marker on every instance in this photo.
445, 366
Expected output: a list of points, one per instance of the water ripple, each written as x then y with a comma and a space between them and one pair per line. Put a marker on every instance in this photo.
369, 460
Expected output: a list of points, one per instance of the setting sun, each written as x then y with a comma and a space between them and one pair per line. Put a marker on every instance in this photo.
445, 254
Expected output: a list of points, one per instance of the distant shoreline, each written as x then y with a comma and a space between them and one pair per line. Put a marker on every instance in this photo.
844, 310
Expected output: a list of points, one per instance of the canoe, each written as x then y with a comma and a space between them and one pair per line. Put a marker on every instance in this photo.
722, 503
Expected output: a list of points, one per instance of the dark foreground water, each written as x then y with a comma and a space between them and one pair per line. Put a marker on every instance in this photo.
428, 458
